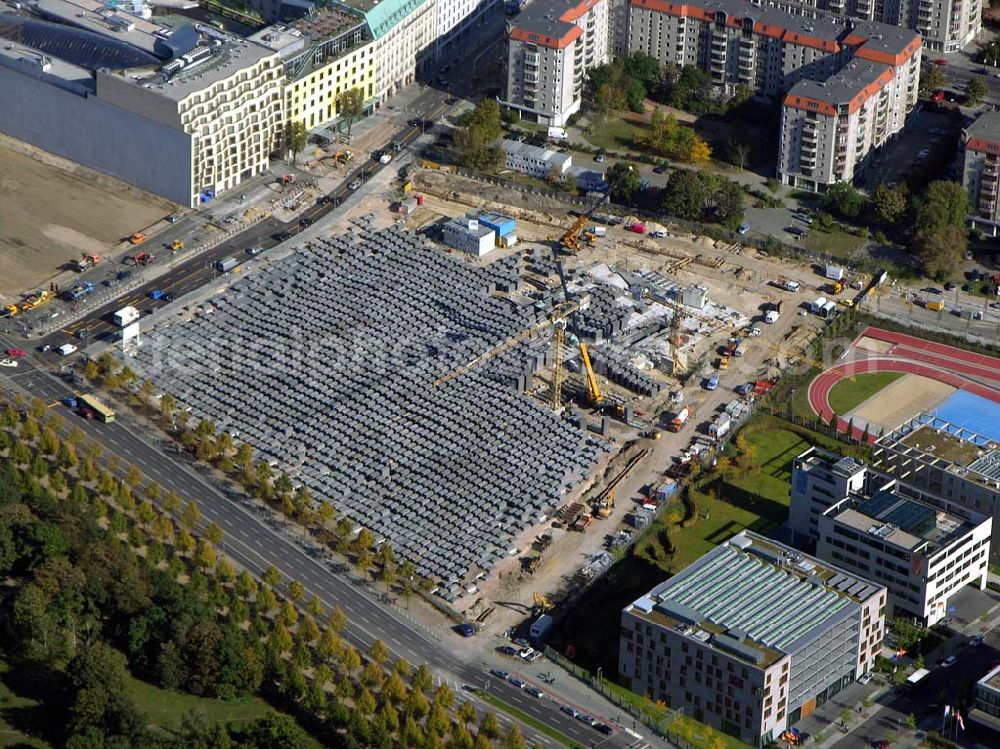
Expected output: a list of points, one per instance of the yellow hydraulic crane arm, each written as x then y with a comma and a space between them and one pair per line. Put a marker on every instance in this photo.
563, 310
593, 389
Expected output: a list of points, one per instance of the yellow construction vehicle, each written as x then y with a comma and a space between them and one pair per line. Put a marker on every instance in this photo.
176, 245
35, 300
594, 394
604, 506
570, 240
542, 603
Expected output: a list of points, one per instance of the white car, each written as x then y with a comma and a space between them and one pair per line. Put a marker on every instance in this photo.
948, 662
8, 362
354, 185
385, 158
744, 228
527, 653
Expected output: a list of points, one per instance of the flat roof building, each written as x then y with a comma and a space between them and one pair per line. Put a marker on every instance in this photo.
751, 637
958, 468
191, 112
820, 479
986, 706
921, 553
469, 235
533, 160
981, 170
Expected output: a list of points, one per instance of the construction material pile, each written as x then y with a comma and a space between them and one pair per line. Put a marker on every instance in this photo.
325, 361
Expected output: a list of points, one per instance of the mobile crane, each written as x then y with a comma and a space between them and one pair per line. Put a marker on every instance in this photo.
570, 240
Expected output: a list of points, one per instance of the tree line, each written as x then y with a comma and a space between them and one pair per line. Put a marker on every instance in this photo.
109, 577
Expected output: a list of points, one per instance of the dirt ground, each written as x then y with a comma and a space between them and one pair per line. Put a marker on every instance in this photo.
874, 345
909, 395
51, 210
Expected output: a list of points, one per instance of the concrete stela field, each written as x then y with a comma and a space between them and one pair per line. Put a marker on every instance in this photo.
325, 362
49, 215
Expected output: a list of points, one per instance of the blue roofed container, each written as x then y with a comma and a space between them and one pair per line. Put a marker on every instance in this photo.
500, 224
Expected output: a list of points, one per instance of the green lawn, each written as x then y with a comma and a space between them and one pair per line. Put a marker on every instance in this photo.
701, 736
614, 134
164, 709
848, 394
17, 711
836, 243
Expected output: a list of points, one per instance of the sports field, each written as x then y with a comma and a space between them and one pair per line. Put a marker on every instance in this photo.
850, 393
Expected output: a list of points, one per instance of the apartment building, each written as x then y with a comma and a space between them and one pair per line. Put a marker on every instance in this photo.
831, 129
986, 700
751, 637
764, 48
184, 112
550, 46
958, 468
324, 55
457, 18
981, 171
921, 553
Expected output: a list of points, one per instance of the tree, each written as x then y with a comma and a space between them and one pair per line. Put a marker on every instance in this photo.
477, 135
977, 89
272, 577
213, 533
295, 138
939, 237
845, 200
685, 195
624, 181
350, 105
379, 652
191, 516
274, 731
295, 590
911, 719
489, 726
890, 203
931, 78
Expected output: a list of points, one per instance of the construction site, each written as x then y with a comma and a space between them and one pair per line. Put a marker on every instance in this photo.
496, 418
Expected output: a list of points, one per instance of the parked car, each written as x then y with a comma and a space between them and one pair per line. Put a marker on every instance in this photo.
950, 286
745, 388
354, 185
948, 662
466, 630
744, 228
571, 711
600, 158
976, 641
500, 673
518, 683
255, 250
526, 653
507, 650
940, 61
864, 678
535, 692
584, 718
804, 218
796, 231
604, 728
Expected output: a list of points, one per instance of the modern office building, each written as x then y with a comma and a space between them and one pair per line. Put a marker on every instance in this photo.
534, 160
981, 170
751, 637
831, 129
986, 701
185, 112
765, 49
958, 468
550, 46
921, 553
324, 54
820, 480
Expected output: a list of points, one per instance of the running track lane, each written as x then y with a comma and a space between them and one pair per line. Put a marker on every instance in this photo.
939, 349
819, 388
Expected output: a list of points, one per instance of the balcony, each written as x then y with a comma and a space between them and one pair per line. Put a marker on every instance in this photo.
530, 77
533, 58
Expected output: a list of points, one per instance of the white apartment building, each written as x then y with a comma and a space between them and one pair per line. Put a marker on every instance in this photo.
550, 46
921, 553
830, 129
981, 170
187, 129
456, 18
405, 33
764, 48
751, 637
535, 161
820, 480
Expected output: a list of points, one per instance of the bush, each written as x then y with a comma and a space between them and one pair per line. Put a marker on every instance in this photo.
773, 184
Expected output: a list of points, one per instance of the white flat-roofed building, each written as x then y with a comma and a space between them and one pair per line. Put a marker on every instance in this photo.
469, 235
751, 637
535, 161
820, 479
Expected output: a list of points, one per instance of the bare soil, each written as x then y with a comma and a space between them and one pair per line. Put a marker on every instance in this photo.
874, 345
51, 210
902, 400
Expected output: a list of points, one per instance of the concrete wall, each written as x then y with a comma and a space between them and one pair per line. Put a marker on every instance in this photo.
98, 135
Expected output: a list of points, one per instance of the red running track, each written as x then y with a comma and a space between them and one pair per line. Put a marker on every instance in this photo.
909, 355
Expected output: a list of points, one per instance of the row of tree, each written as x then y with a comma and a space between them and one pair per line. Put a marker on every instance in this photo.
112, 577
688, 194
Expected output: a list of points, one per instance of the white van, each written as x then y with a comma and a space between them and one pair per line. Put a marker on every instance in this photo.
66, 349
598, 231
558, 133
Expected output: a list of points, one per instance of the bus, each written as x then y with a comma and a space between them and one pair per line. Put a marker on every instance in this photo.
104, 414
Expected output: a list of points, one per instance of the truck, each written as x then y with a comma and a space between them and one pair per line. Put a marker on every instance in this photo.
934, 303
741, 348
771, 316
784, 283
834, 272
226, 264
816, 306
636, 226
126, 316
558, 133
78, 292
720, 427
66, 349
679, 419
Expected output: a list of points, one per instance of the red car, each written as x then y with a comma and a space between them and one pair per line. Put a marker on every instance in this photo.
940, 61
16, 352
937, 96
87, 413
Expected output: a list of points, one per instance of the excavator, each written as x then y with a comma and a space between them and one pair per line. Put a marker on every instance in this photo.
604, 506
35, 300
542, 603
